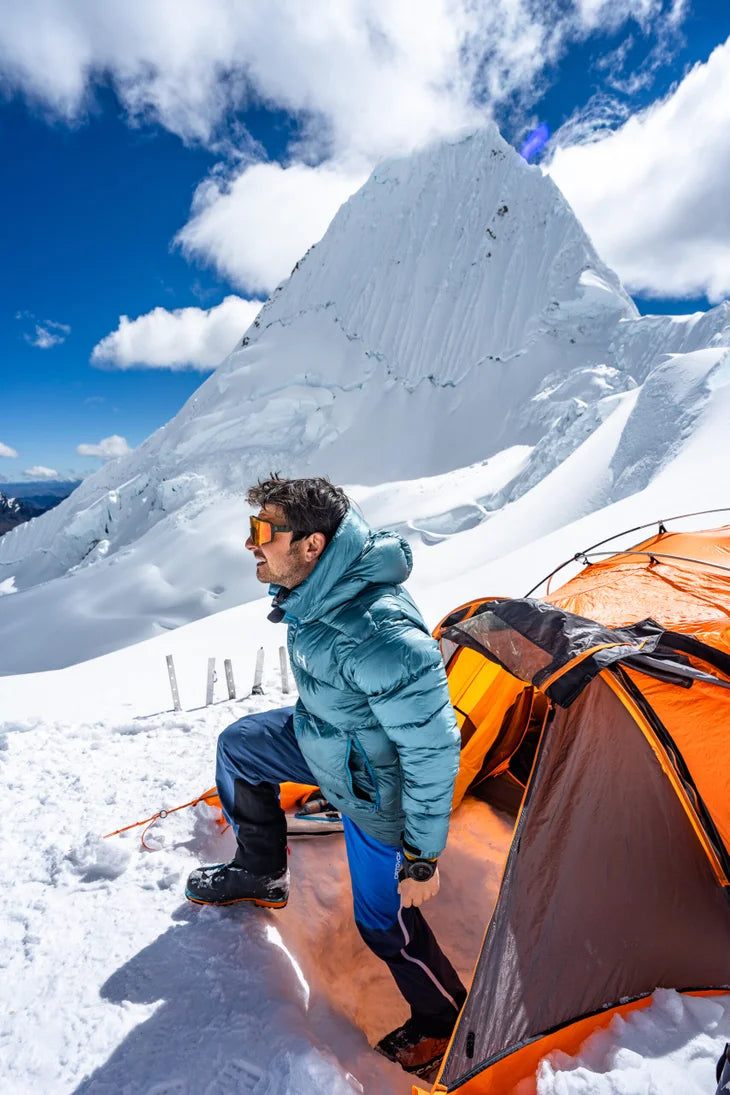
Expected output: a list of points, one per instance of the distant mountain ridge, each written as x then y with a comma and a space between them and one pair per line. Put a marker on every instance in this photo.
14, 512
34, 489
20, 502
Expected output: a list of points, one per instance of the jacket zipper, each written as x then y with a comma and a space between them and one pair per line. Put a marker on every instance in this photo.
353, 743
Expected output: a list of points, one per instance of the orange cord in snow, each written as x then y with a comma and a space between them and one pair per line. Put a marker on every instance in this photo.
149, 821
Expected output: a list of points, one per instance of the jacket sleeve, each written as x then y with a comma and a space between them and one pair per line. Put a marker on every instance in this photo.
401, 672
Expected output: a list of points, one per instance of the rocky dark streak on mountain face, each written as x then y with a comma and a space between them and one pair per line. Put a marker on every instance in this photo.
14, 512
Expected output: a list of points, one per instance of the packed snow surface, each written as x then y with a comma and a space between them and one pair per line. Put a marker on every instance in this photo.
111, 981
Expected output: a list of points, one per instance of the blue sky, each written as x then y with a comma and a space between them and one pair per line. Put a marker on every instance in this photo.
141, 180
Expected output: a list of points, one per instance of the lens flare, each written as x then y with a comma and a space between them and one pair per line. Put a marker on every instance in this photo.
536, 141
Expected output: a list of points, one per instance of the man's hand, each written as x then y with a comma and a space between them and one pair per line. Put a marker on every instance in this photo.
415, 893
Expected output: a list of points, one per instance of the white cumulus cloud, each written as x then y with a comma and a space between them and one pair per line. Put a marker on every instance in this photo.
373, 77
187, 338
653, 194
364, 79
109, 448
378, 74
5, 450
254, 229
38, 471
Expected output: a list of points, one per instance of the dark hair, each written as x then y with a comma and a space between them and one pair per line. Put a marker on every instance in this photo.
310, 505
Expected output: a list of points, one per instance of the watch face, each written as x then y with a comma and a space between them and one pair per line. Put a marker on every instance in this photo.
421, 871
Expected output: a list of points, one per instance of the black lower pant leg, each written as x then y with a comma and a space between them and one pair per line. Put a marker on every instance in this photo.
260, 825
420, 969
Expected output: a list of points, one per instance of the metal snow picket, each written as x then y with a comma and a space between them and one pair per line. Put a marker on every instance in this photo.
258, 688
228, 666
210, 684
284, 670
173, 683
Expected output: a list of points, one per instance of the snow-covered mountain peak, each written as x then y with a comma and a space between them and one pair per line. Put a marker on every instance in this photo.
450, 284
454, 257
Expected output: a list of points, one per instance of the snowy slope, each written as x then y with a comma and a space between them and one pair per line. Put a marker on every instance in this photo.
669, 435
112, 982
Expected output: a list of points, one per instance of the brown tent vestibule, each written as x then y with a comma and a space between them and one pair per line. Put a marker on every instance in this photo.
617, 882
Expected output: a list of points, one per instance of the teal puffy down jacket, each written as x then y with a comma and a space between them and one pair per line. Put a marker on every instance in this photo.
373, 720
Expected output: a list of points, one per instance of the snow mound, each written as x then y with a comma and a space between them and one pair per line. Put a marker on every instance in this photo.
649, 1051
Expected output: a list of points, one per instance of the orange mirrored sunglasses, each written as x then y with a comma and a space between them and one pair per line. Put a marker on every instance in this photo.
263, 532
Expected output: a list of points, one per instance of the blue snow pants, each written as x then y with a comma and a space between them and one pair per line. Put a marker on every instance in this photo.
255, 755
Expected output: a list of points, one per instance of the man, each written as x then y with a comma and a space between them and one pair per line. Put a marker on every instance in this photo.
373, 727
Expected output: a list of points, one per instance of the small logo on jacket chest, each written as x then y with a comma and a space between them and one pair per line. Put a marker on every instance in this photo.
301, 661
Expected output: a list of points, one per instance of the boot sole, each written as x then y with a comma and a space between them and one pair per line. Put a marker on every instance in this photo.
238, 901
425, 1071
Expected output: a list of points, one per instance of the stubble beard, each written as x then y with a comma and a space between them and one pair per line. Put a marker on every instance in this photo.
290, 576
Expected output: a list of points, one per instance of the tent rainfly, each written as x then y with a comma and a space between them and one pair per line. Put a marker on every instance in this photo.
618, 876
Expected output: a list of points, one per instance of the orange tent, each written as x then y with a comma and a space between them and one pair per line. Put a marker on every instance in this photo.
618, 876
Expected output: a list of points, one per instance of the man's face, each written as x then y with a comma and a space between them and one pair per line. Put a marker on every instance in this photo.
281, 562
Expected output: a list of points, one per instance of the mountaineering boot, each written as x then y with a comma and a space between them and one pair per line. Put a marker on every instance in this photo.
228, 883
413, 1050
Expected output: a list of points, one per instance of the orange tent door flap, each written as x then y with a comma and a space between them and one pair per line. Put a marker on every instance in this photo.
481, 692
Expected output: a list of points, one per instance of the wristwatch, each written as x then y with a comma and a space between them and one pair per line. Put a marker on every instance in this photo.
420, 870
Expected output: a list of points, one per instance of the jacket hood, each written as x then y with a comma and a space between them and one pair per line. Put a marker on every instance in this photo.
354, 558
